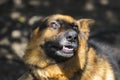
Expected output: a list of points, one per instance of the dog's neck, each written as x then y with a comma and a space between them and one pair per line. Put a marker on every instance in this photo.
61, 71
83, 48
67, 69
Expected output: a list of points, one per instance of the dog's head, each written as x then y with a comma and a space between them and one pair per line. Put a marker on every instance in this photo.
54, 39
57, 36
60, 37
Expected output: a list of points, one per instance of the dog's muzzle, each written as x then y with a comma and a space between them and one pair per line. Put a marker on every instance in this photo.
69, 43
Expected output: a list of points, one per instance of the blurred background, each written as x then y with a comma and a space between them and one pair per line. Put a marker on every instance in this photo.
17, 18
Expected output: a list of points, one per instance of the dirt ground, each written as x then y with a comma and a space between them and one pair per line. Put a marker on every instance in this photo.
17, 18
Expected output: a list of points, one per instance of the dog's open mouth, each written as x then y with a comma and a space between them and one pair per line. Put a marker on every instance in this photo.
61, 51
68, 49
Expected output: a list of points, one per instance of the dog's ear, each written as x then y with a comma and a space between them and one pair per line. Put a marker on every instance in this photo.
85, 24
35, 31
84, 28
38, 26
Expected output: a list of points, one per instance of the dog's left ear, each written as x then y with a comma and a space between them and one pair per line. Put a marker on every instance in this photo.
84, 28
85, 24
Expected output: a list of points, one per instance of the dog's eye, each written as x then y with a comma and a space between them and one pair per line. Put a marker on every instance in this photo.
54, 25
75, 26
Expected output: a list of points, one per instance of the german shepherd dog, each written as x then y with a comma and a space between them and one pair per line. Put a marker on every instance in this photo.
58, 50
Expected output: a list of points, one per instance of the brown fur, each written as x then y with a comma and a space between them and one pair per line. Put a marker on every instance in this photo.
86, 65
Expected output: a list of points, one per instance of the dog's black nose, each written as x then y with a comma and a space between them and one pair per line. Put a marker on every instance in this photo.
71, 36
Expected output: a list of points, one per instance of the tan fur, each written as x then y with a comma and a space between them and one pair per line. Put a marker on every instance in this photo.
96, 68
88, 65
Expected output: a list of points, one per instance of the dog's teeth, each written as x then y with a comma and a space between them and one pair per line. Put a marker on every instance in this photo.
65, 49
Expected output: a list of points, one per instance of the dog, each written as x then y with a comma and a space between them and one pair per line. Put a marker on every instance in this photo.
58, 50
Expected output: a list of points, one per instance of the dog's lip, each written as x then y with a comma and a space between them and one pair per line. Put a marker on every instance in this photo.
68, 49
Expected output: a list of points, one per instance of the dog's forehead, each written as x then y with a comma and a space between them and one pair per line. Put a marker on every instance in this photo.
65, 18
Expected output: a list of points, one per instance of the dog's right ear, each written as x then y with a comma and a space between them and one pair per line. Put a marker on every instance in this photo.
38, 26
34, 23
35, 31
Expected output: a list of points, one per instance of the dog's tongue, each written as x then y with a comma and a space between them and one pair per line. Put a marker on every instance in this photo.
67, 49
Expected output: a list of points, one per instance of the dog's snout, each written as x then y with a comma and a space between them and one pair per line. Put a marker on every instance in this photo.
71, 36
